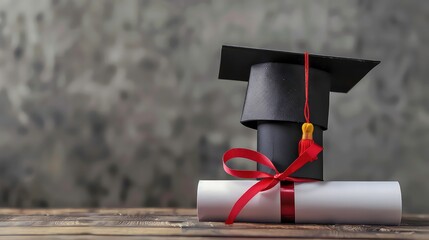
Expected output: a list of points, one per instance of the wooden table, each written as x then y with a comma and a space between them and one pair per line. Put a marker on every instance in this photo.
152, 223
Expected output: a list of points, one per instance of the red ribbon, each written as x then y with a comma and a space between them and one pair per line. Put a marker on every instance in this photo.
287, 201
267, 180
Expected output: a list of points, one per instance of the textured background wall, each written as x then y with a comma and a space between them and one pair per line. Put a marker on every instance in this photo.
117, 103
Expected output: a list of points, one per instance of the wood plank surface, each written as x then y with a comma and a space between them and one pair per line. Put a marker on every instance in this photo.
154, 223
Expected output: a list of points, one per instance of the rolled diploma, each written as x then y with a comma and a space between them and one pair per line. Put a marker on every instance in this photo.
330, 202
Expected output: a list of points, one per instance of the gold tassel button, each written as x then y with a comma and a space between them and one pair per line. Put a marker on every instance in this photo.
307, 131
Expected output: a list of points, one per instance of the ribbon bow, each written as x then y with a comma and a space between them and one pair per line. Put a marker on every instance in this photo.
267, 180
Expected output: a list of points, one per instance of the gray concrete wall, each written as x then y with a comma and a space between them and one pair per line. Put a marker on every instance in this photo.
117, 103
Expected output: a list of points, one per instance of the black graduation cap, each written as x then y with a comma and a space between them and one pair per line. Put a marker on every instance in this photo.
275, 97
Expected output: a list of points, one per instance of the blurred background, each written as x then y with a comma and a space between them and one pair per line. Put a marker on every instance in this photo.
117, 103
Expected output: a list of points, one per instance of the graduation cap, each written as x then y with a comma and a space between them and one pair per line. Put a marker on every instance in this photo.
275, 97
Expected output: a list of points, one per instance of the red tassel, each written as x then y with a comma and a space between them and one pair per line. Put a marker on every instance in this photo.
307, 127
307, 137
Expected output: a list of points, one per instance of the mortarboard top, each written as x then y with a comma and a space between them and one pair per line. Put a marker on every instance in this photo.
236, 62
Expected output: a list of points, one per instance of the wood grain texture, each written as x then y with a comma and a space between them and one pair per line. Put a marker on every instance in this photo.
153, 223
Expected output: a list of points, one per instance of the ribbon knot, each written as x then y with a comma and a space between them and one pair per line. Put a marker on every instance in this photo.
267, 181
277, 176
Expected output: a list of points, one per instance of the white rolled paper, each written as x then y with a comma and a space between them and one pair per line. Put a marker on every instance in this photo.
216, 198
331, 202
